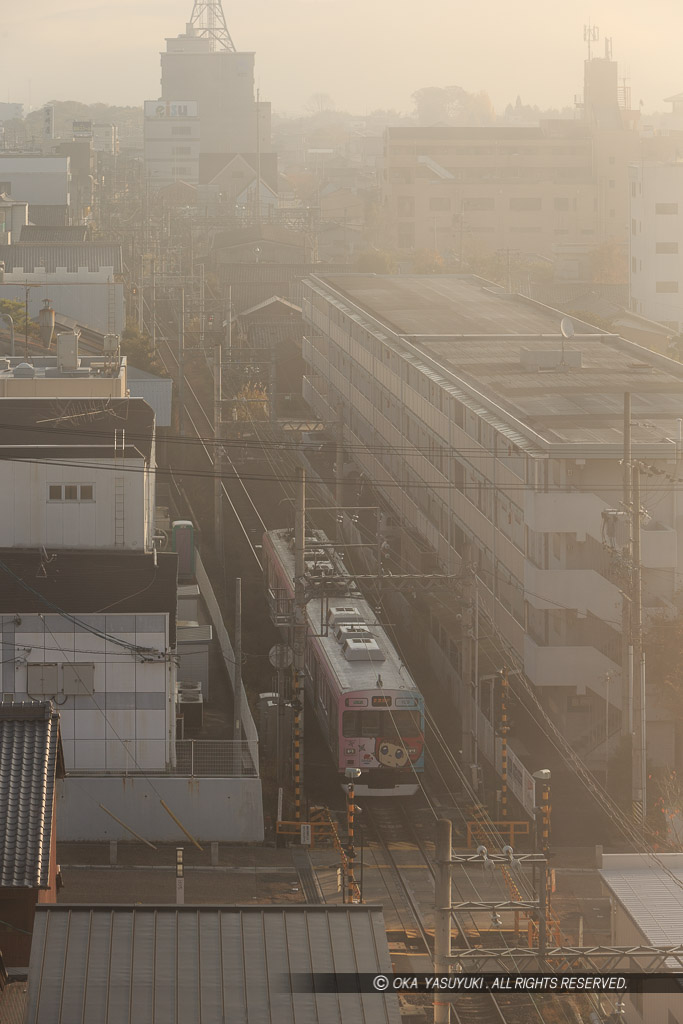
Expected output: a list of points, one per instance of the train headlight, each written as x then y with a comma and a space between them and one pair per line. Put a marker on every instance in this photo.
350, 750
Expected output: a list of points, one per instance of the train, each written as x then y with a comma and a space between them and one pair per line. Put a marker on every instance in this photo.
369, 708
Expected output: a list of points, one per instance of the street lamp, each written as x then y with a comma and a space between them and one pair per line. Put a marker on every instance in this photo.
6, 316
351, 774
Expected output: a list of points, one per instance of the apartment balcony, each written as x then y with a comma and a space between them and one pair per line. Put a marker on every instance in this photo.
577, 667
564, 512
581, 589
314, 392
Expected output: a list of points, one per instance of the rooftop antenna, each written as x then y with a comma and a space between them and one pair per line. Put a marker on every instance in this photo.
567, 331
208, 20
591, 34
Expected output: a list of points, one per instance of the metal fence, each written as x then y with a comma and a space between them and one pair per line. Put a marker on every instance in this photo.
217, 758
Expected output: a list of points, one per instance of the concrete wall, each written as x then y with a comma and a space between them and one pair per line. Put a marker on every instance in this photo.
86, 301
29, 519
227, 810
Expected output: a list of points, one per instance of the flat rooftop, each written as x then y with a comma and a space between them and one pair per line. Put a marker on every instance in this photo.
508, 354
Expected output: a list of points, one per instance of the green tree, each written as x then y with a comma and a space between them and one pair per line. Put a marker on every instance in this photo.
426, 261
137, 348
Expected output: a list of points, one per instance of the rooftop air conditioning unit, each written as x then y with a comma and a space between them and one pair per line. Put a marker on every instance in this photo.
339, 614
362, 650
352, 632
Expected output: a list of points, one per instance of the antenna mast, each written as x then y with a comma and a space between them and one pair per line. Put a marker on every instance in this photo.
591, 34
208, 20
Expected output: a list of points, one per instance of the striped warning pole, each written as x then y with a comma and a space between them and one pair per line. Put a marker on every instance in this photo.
351, 775
504, 742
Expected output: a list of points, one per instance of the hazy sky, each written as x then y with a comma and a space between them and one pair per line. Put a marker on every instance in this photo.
364, 53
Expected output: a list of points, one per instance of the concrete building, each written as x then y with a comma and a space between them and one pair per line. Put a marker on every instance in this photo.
44, 377
172, 142
221, 82
44, 182
71, 479
13, 218
471, 190
496, 443
656, 239
83, 281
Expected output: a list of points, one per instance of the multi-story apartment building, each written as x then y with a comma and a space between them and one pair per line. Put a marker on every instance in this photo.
657, 242
473, 189
499, 443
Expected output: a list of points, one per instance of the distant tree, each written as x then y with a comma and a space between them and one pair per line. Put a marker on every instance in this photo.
452, 105
319, 103
376, 261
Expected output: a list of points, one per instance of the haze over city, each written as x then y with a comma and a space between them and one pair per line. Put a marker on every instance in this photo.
363, 55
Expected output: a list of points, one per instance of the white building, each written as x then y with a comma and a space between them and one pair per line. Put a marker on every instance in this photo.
81, 281
657, 242
77, 474
44, 182
498, 444
96, 633
172, 142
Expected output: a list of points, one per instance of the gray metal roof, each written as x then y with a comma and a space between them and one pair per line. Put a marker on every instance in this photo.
51, 255
650, 895
29, 756
217, 965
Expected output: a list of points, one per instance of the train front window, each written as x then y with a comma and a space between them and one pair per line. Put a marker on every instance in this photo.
391, 725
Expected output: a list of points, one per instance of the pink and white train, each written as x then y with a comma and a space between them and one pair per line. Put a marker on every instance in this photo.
370, 711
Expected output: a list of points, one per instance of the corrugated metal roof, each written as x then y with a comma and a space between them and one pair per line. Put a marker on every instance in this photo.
648, 893
29, 752
52, 255
214, 965
57, 233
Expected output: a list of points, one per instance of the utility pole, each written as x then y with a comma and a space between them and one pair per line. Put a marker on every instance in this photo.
467, 711
154, 303
442, 924
181, 365
504, 743
339, 473
639, 766
299, 643
627, 641
218, 446
237, 704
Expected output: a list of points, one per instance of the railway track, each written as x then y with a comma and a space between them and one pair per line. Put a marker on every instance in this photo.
408, 872
410, 883
240, 501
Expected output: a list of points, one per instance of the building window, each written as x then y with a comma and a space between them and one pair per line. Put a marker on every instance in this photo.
439, 203
71, 492
525, 203
561, 203
483, 203
178, 130
633, 226
666, 207
666, 286
182, 150
663, 248
406, 206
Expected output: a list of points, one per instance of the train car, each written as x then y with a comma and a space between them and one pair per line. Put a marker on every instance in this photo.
370, 711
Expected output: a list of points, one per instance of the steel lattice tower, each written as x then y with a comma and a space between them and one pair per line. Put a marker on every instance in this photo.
208, 20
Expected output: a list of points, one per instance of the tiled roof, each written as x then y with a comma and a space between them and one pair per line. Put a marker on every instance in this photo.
30, 753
